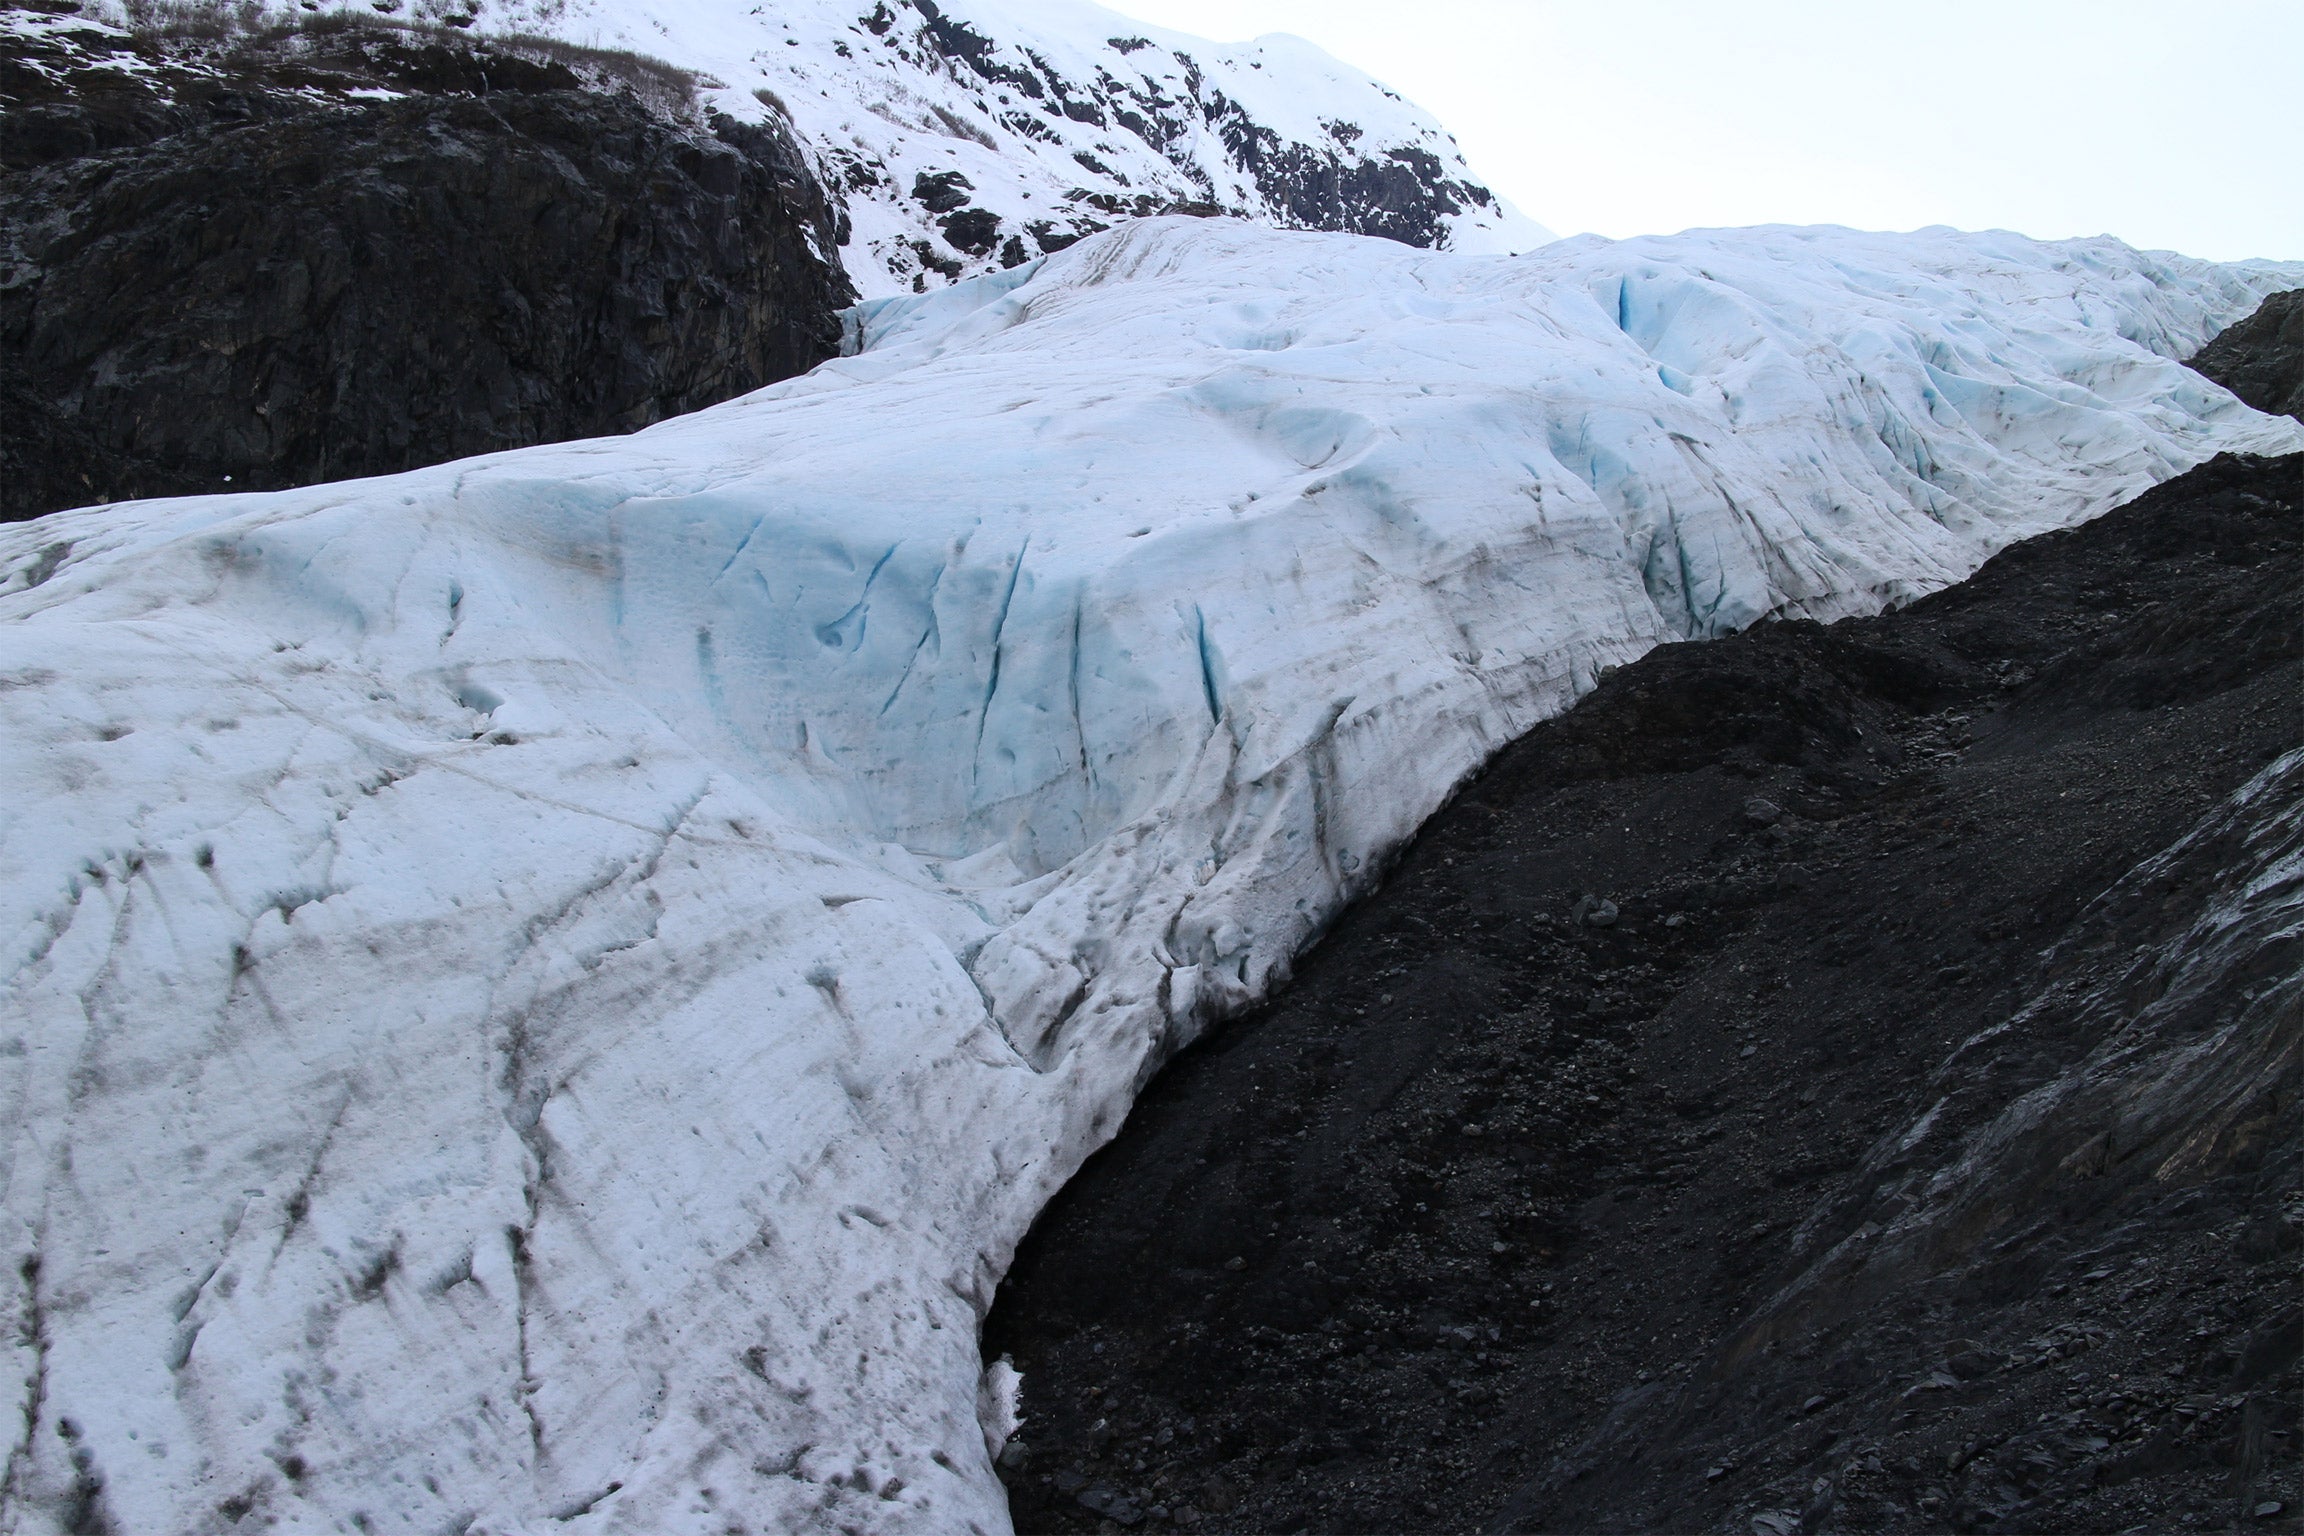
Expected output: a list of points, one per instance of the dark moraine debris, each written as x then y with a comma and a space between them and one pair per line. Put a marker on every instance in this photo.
268, 259
1918, 1152
2261, 359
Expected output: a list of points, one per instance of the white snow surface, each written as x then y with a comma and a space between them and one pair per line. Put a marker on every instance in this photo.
1158, 115
541, 993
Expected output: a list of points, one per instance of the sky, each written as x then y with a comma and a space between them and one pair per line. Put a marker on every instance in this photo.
2172, 124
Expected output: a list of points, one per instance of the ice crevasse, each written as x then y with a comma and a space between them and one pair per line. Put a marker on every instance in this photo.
542, 992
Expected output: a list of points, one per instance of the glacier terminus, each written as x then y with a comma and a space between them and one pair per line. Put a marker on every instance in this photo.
542, 992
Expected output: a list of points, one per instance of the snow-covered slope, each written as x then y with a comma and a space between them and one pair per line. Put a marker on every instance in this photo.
542, 992
971, 135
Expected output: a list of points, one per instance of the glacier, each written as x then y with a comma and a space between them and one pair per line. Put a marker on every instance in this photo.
542, 992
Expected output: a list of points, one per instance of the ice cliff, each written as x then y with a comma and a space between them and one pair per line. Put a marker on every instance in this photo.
541, 993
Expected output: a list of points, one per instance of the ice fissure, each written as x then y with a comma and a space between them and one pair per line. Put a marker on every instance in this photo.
583, 963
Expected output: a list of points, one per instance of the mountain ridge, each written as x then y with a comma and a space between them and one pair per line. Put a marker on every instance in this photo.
1057, 120
362, 239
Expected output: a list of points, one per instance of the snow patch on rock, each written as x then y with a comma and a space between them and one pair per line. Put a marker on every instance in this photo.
969, 136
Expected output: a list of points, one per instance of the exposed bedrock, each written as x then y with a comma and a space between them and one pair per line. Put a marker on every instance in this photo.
1403, 196
2261, 359
313, 257
1833, 1079
1335, 181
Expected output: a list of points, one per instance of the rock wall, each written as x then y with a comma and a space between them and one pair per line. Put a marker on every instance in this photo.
2261, 359
312, 256
966, 137
1337, 182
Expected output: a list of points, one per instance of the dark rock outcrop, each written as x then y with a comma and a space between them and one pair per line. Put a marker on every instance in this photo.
1402, 193
1833, 1079
2261, 358
311, 256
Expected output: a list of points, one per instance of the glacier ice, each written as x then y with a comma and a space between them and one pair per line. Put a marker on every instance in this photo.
542, 992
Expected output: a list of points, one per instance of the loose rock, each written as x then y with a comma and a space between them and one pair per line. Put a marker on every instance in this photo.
1596, 912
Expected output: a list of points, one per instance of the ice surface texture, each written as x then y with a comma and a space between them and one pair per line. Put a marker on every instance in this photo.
548, 988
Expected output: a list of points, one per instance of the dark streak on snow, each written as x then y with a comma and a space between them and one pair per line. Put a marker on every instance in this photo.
992, 683
36, 1389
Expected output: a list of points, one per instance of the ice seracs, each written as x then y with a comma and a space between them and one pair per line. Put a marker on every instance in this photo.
542, 992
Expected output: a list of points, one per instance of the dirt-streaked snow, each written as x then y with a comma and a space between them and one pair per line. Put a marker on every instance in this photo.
542, 992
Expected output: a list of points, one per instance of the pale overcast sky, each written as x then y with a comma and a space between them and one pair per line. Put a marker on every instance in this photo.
2177, 125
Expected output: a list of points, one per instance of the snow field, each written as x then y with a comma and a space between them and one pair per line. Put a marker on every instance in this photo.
544, 991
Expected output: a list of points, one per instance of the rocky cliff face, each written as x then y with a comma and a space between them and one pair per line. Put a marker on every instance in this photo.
309, 255
1330, 180
964, 136
2261, 359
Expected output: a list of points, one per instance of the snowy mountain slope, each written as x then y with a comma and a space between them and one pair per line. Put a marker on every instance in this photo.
542, 992
971, 135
